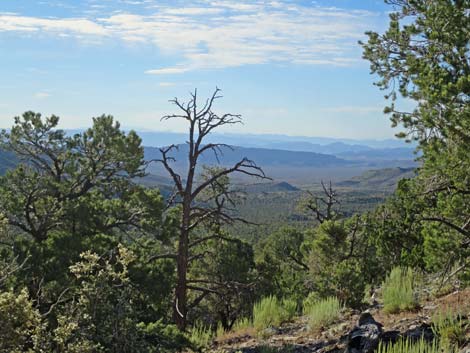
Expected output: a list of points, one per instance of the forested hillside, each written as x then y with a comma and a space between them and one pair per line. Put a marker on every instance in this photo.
99, 253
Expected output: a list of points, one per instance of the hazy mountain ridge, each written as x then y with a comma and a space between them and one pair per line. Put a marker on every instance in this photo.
262, 157
387, 178
7, 161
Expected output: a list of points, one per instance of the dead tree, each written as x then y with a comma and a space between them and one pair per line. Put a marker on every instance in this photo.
201, 122
324, 208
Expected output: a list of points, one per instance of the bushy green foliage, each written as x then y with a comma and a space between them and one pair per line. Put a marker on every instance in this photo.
229, 272
290, 308
282, 263
322, 313
105, 315
272, 312
102, 314
398, 290
22, 327
162, 338
341, 261
422, 57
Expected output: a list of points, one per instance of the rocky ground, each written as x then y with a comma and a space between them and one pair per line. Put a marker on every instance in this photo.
296, 337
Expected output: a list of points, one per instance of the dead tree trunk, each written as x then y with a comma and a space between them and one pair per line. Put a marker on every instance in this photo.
201, 121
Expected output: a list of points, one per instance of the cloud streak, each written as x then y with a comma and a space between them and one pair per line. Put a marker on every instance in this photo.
220, 34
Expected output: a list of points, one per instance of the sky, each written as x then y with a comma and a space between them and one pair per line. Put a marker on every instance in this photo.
288, 66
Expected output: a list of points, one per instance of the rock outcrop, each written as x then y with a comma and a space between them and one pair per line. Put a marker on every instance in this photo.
364, 338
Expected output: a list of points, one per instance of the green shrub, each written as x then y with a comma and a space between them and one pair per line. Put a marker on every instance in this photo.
290, 309
398, 291
449, 327
410, 346
267, 313
21, 324
271, 312
200, 335
322, 312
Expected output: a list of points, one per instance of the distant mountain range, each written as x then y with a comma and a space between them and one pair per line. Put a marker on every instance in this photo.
7, 161
298, 160
270, 141
328, 145
262, 157
358, 150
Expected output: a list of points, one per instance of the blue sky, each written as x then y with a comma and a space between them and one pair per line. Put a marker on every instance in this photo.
289, 67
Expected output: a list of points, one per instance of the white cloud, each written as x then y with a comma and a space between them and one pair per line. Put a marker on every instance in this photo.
194, 11
41, 95
167, 71
224, 33
33, 24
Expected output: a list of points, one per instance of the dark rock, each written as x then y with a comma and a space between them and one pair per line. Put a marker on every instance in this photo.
364, 338
390, 337
418, 332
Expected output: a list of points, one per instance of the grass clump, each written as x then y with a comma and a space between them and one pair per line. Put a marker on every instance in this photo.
322, 312
410, 346
450, 328
220, 332
267, 313
272, 312
242, 324
200, 335
290, 309
398, 291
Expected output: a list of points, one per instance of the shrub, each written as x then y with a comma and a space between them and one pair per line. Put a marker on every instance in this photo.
322, 312
21, 324
200, 335
410, 346
267, 313
271, 312
398, 291
450, 328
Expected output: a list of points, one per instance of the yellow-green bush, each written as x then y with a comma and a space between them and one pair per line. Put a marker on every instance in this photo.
322, 312
398, 291
272, 312
200, 335
21, 324
242, 324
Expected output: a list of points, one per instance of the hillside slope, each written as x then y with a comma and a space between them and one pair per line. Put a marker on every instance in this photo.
297, 337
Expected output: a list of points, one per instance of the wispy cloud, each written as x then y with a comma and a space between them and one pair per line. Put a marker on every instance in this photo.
33, 24
221, 33
41, 95
167, 71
